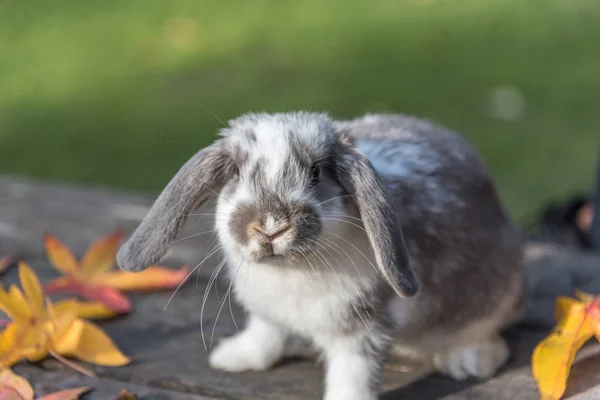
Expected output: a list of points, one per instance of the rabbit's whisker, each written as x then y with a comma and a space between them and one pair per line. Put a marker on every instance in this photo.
224, 198
213, 247
312, 272
348, 222
194, 235
196, 268
211, 113
333, 198
341, 215
331, 244
355, 248
227, 296
179, 286
207, 214
367, 327
212, 280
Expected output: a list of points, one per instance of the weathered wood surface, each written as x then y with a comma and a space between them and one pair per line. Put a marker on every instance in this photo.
168, 344
46, 382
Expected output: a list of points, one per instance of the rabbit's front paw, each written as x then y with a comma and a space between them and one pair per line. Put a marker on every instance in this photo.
479, 360
256, 348
237, 354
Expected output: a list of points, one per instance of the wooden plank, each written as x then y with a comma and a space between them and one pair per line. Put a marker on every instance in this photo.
170, 353
168, 344
46, 382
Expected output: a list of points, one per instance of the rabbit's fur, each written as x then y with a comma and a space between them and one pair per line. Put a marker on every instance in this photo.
345, 236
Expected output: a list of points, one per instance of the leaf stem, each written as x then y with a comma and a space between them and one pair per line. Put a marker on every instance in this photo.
73, 365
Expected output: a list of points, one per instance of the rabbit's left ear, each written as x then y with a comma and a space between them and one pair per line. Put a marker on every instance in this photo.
362, 182
198, 179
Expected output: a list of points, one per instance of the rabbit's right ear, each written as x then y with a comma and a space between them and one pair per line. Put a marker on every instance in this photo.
199, 178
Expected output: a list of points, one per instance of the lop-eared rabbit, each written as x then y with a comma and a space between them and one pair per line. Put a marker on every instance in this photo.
345, 237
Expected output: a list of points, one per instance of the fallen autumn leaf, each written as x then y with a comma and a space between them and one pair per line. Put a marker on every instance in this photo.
38, 328
5, 263
15, 387
577, 321
125, 395
94, 278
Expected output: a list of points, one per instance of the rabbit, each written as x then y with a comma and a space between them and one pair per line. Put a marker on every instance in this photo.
350, 239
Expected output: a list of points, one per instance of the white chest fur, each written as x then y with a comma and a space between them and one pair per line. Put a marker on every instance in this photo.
301, 300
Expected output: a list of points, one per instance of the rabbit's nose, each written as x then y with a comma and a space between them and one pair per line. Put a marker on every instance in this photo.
271, 234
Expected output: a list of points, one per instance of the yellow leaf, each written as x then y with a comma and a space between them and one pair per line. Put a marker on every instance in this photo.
67, 339
14, 305
563, 307
552, 358
32, 288
9, 379
60, 256
100, 257
9, 351
52, 330
151, 278
84, 309
585, 297
96, 347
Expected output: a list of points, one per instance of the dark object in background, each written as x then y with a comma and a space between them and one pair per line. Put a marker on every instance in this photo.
595, 230
559, 224
575, 224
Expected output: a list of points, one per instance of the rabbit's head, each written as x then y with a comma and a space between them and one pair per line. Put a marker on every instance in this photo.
284, 180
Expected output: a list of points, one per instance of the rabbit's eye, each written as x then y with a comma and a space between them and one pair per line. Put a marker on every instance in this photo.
315, 171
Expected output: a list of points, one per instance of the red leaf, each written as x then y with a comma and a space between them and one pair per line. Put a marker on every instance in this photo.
5, 263
111, 298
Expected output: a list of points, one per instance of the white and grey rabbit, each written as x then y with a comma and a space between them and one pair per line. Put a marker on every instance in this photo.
348, 236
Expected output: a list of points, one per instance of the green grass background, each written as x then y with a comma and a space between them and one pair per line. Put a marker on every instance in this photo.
117, 93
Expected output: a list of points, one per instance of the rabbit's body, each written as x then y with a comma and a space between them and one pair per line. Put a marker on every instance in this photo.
326, 250
456, 231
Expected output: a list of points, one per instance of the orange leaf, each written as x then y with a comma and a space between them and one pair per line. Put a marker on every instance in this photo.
7, 393
96, 347
14, 385
68, 394
552, 358
151, 278
5, 263
125, 395
100, 257
60, 256
59, 284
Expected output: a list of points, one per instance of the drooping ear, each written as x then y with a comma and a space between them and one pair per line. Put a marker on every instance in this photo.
363, 183
199, 178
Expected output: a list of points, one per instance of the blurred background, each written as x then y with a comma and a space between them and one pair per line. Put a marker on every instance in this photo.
121, 93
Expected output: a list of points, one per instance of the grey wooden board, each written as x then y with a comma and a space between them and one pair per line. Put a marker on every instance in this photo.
168, 345
46, 382
170, 354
